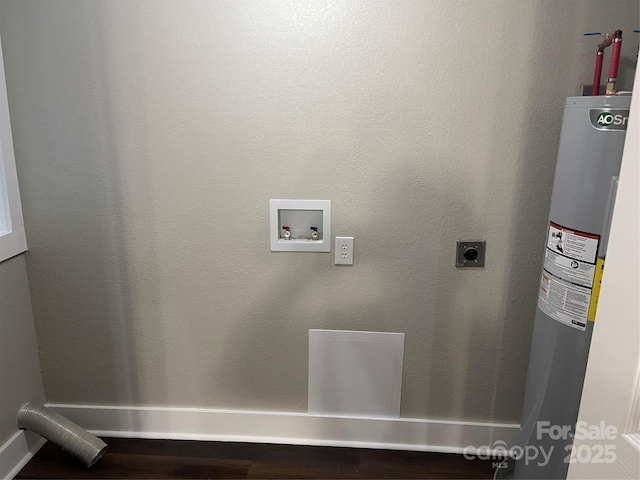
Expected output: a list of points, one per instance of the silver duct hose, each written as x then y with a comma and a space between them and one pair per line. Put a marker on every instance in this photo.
67, 435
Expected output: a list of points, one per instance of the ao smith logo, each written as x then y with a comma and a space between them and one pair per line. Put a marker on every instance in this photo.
606, 119
609, 119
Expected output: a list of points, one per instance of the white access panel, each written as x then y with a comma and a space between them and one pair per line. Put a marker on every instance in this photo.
355, 373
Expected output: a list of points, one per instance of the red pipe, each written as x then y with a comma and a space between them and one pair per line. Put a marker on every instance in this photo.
614, 39
609, 40
595, 90
613, 68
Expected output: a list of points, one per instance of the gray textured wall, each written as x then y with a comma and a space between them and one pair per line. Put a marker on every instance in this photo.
20, 379
150, 137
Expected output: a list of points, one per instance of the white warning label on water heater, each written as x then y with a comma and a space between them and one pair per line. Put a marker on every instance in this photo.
567, 277
564, 302
572, 243
580, 273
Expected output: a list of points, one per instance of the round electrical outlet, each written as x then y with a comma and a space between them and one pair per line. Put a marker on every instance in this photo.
470, 254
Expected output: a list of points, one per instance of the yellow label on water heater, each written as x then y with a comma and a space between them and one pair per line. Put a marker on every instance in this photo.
595, 293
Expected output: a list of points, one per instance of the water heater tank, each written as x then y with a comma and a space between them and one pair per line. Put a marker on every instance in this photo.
589, 158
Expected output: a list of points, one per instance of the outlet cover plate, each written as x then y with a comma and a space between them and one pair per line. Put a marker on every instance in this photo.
469, 247
344, 250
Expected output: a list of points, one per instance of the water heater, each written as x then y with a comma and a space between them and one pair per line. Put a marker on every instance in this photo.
589, 158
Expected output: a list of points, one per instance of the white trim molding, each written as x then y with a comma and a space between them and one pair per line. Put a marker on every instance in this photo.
290, 428
17, 451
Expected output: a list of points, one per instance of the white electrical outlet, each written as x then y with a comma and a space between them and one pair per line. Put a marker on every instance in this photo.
344, 250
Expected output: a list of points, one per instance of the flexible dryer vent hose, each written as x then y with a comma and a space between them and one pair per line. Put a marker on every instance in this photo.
67, 435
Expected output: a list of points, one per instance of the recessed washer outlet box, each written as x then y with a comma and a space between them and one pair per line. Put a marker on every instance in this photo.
300, 225
470, 254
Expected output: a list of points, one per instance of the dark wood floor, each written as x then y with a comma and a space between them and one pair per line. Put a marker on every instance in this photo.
134, 458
